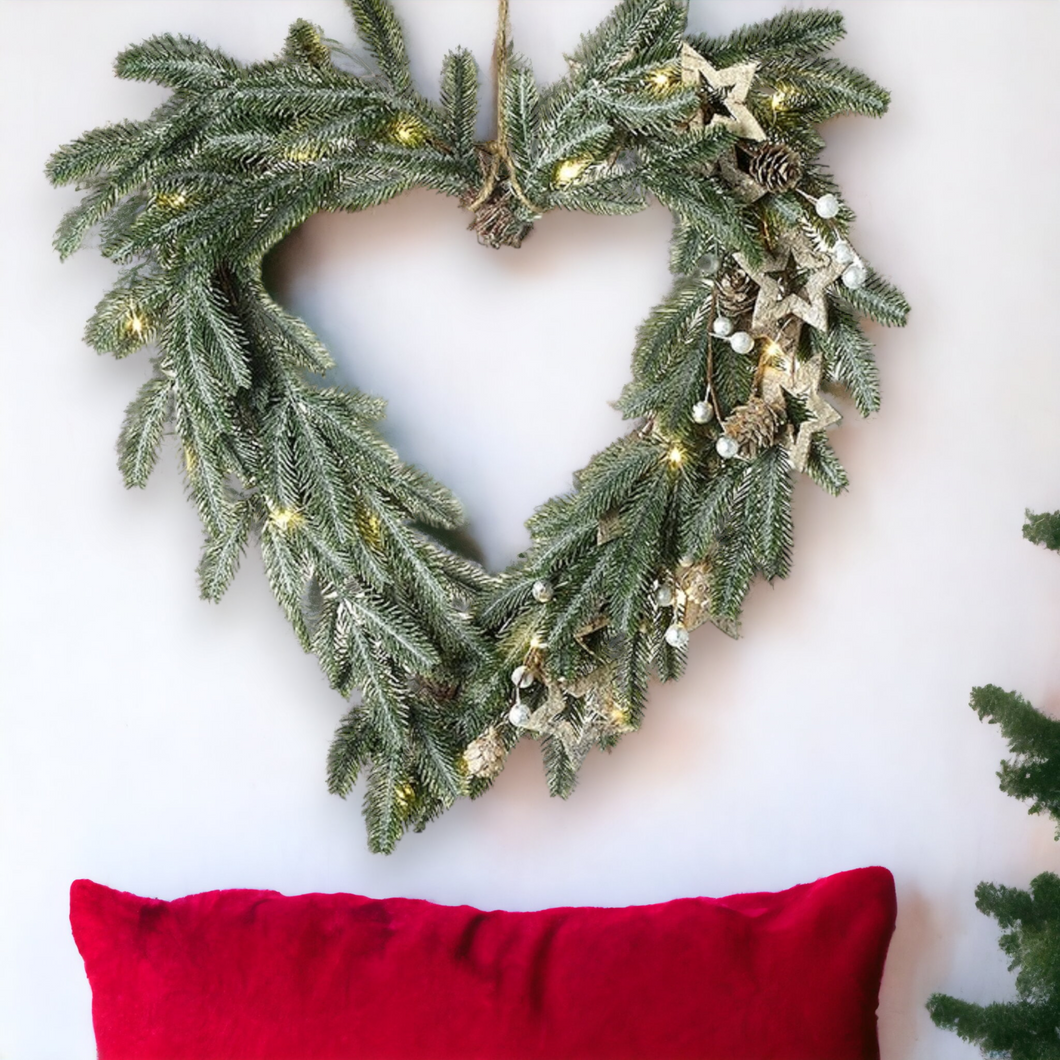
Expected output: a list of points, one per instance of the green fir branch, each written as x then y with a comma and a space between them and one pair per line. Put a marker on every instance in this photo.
876, 299
1043, 529
459, 97
1034, 739
180, 63
141, 433
789, 34
378, 27
635, 28
848, 358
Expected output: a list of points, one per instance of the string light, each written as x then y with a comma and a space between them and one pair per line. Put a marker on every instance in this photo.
570, 169
135, 324
300, 154
676, 456
663, 79
285, 519
370, 527
409, 131
171, 200
773, 352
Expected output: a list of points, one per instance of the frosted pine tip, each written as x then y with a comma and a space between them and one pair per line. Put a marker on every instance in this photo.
409, 131
676, 456
285, 519
570, 169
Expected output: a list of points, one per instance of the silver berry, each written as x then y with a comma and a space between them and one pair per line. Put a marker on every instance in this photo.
722, 327
741, 342
702, 412
727, 447
827, 206
542, 591
519, 714
522, 677
843, 252
709, 264
664, 596
855, 275
677, 636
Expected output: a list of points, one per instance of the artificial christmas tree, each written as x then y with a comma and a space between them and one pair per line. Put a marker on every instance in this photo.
1027, 1028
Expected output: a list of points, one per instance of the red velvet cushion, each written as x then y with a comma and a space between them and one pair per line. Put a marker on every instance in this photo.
253, 975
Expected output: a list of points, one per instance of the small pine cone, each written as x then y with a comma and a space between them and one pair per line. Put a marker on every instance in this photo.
494, 221
484, 756
775, 166
755, 426
735, 293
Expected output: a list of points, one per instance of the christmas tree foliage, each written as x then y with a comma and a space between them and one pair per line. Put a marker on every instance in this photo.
665, 529
1029, 1027
1043, 529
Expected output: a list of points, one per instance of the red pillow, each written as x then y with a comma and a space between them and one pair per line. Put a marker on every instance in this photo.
253, 975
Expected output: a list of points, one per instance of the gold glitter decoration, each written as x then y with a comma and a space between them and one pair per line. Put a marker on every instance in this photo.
484, 756
802, 379
775, 301
602, 716
734, 83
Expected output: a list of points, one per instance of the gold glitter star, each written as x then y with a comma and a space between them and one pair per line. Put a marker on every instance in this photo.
601, 714
775, 301
802, 379
731, 85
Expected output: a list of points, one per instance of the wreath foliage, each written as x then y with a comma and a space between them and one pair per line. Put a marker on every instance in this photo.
664, 529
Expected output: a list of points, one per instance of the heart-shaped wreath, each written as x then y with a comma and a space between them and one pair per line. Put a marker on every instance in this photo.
664, 530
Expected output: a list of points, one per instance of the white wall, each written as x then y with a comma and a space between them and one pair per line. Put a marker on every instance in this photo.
161, 745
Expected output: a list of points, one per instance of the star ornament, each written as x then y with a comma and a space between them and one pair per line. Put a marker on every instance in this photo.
775, 278
601, 715
801, 379
731, 85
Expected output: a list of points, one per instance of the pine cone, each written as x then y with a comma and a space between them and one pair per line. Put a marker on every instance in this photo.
495, 222
775, 166
484, 756
735, 293
755, 426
